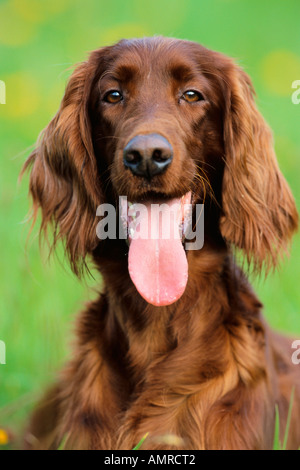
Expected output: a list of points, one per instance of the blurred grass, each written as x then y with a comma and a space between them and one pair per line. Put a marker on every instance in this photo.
39, 42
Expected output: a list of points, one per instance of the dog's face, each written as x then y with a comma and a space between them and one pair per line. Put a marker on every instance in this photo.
161, 119
157, 118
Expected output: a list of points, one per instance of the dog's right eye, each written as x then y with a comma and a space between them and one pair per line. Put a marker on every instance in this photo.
191, 96
113, 97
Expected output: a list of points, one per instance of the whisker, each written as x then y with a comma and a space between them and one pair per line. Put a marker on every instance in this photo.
108, 137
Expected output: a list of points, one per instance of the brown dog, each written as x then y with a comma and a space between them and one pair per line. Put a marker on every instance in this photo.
195, 366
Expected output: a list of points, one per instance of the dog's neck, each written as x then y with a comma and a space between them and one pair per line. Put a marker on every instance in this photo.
143, 337
207, 289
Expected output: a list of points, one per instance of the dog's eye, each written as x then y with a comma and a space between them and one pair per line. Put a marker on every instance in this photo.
192, 96
113, 97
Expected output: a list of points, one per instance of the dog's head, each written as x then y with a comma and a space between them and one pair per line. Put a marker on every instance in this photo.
158, 119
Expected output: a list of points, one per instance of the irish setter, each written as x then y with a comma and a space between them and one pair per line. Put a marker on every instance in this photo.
175, 346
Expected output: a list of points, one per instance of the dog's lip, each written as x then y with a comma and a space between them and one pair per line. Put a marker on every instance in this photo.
159, 197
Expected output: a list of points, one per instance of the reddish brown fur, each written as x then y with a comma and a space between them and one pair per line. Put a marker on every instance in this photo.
206, 369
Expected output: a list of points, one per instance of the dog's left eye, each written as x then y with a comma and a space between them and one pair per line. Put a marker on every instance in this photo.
192, 96
113, 97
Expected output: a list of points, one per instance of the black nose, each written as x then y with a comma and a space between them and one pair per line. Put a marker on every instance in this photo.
148, 155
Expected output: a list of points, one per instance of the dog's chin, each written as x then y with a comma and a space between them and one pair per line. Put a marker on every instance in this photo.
157, 262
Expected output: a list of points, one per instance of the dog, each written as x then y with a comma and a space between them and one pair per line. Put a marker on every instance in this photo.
175, 347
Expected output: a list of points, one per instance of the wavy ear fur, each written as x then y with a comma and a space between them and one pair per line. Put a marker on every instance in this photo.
63, 180
260, 215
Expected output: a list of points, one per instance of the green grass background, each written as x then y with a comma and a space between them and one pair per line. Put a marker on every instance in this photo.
39, 41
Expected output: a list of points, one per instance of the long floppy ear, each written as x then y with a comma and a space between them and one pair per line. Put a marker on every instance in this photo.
260, 215
63, 179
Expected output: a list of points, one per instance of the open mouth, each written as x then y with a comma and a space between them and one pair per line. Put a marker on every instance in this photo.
157, 262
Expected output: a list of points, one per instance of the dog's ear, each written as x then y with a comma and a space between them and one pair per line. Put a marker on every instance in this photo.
259, 212
63, 178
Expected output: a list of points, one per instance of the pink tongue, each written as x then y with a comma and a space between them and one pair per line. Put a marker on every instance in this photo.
157, 262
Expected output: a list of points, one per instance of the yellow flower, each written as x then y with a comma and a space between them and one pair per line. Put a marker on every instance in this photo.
4, 439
